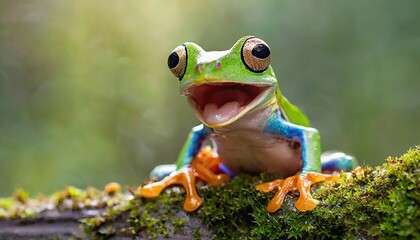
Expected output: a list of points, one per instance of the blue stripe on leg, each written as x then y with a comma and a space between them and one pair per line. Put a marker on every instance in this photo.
337, 161
161, 171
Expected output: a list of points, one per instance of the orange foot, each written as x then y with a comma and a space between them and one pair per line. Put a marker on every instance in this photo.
299, 181
201, 167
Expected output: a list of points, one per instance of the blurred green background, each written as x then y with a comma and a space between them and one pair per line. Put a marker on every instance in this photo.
86, 96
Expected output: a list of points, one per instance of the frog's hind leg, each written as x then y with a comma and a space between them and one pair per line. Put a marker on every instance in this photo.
333, 161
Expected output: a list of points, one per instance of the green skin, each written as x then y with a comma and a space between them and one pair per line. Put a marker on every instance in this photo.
261, 134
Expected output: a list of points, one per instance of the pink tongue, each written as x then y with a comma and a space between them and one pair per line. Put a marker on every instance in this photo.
214, 115
229, 95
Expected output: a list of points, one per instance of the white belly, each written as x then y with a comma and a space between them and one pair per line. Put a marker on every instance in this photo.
255, 152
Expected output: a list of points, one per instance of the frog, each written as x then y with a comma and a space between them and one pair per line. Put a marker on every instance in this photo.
247, 126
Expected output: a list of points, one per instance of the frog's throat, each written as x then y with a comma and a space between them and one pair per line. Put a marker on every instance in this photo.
218, 105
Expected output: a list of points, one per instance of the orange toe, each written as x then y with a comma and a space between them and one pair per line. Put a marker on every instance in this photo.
153, 190
192, 203
150, 191
303, 183
286, 186
358, 171
268, 186
306, 204
218, 179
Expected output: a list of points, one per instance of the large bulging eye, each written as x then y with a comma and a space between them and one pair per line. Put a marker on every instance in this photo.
177, 61
256, 54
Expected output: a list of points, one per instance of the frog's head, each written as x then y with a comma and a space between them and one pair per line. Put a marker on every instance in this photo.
224, 86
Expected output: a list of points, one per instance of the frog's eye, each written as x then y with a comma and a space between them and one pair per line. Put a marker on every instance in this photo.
177, 61
255, 54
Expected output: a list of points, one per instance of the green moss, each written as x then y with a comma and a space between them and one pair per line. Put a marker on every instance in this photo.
402, 205
6, 203
179, 224
19, 205
157, 218
197, 234
147, 218
382, 203
20, 195
228, 209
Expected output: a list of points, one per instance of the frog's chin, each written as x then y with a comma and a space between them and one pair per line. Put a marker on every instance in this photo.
218, 105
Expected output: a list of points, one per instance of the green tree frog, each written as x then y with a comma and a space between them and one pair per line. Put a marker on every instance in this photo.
247, 126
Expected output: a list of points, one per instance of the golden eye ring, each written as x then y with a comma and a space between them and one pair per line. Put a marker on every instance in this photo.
255, 54
177, 61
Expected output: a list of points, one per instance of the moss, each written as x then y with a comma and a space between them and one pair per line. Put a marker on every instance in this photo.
20, 195
402, 204
145, 218
157, 218
197, 234
383, 203
19, 205
228, 209
179, 224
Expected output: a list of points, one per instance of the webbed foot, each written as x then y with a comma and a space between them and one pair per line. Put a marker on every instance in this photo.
202, 167
302, 182
186, 178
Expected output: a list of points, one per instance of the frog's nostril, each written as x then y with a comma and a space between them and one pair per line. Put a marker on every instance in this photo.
218, 65
198, 68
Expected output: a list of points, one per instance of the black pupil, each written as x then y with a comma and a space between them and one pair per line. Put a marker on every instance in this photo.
261, 51
173, 60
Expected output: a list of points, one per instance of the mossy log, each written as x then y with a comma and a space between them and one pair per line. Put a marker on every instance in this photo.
381, 204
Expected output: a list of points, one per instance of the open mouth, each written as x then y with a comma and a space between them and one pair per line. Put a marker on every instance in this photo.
221, 103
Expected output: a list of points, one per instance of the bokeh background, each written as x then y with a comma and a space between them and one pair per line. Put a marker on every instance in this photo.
86, 96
